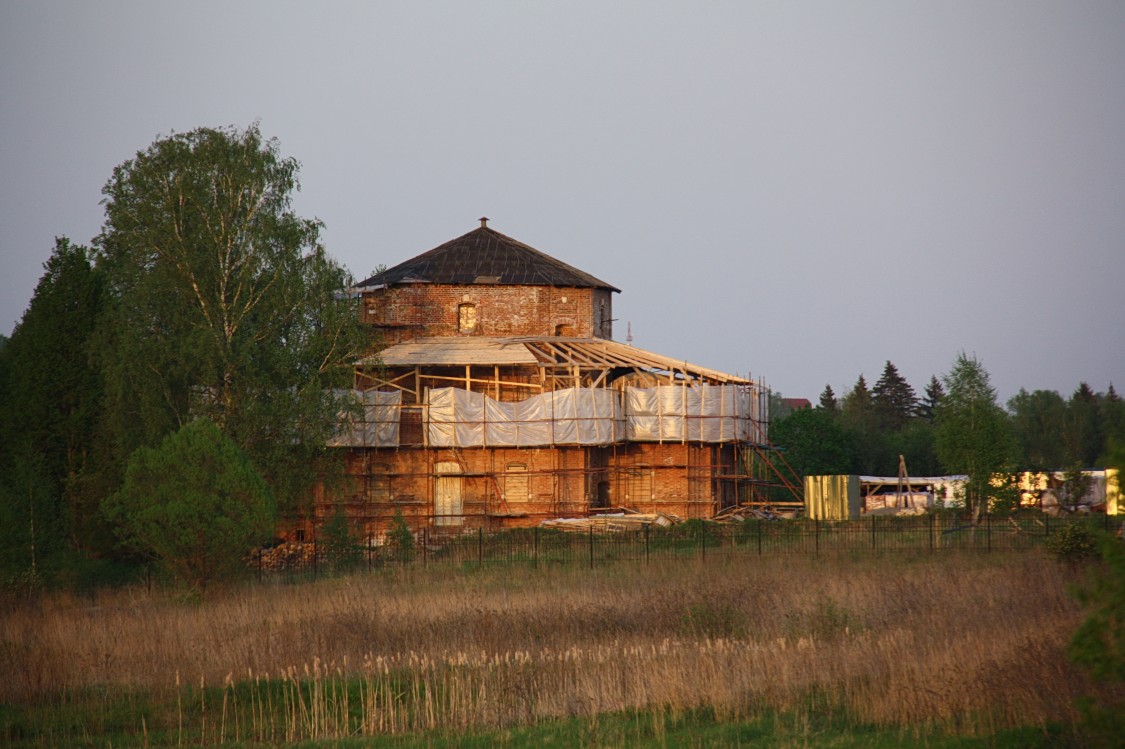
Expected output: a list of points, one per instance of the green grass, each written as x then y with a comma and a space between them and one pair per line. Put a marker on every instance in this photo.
117, 718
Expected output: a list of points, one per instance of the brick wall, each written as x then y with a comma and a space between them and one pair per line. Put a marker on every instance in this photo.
503, 487
416, 310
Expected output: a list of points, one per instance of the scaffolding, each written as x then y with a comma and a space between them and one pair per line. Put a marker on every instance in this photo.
518, 430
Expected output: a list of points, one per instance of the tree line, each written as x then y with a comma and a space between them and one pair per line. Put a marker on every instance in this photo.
170, 389
957, 426
201, 341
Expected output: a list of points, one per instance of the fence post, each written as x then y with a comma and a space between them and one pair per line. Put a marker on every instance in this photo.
703, 541
314, 558
760, 521
873, 519
646, 544
480, 547
988, 530
425, 547
932, 518
535, 535
816, 534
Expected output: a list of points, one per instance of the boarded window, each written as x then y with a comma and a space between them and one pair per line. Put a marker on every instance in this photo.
515, 483
466, 318
379, 483
410, 428
640, 484
448, 507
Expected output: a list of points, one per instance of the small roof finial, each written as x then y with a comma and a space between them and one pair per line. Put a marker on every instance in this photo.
484, 222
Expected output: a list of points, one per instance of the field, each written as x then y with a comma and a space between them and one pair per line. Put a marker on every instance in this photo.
957, 649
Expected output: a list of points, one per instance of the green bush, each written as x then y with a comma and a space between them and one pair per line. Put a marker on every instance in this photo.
1074, 543
1099, 647
400, 540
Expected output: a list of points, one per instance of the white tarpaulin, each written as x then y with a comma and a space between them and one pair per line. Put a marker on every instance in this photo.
576, 416
375, 426
703, 413
590, 416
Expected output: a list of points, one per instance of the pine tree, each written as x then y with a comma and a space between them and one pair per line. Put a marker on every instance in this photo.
1083, 436
931, 399
828, 400
894, 399
857, 405
50, 400
1113, 424
873, 454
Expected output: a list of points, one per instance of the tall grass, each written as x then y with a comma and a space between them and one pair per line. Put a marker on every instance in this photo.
970, 643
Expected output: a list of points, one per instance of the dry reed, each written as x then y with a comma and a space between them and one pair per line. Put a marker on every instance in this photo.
970, 642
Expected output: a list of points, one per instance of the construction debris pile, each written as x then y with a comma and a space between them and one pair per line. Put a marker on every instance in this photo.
614, 522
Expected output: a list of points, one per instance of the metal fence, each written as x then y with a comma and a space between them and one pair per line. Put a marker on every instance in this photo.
692, 540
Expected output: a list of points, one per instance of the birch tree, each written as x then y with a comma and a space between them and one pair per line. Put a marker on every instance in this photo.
973, 435
224, 304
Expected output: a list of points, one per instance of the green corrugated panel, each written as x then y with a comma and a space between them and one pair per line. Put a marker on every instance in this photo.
832, 497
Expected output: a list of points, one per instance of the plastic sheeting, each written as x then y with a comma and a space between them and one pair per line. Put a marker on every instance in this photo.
576, 416
591, 416
378, 424
703, 413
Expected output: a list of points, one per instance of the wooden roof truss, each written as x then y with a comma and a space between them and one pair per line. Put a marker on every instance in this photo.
559, 362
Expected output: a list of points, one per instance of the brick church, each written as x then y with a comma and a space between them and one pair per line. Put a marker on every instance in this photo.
499, 398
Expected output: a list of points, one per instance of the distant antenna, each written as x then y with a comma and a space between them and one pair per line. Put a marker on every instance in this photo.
629, 332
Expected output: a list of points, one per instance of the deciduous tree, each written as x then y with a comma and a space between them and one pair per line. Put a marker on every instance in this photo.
195, 504
973, 435
1039, 420
225, 304
814, 442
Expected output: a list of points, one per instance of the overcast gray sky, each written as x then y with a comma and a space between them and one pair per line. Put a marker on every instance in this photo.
799, 191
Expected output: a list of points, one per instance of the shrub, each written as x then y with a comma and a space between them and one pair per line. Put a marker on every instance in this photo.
400, 539
1074, 543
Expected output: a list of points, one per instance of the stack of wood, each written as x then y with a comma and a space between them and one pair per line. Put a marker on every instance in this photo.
284, 555
612, 522
738, 514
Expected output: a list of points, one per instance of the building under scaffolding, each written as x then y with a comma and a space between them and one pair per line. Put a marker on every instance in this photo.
501, 400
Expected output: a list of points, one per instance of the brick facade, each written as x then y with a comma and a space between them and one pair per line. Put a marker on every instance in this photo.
448, 490
403, 312
500, 488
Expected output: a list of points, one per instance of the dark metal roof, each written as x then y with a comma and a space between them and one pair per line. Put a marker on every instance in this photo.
486, 256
